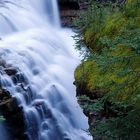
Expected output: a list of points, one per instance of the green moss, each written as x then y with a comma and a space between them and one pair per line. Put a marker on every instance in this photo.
117, 71
87, 73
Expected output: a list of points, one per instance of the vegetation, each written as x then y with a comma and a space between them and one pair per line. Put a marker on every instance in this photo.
111, 68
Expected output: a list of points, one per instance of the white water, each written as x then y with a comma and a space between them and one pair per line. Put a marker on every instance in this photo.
34, 42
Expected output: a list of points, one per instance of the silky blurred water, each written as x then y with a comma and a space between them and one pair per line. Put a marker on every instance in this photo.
34, 42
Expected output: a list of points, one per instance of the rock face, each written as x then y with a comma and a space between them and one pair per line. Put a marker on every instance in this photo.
13, 115
9, 107
70, 9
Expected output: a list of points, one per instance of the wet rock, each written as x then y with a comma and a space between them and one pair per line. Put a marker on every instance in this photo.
38, 103
10, 71
13, 114
45, 126
9, 106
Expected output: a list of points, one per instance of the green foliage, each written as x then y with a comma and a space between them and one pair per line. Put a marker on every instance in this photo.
112, 68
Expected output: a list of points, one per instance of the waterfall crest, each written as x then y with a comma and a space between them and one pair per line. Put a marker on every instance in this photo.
35, 44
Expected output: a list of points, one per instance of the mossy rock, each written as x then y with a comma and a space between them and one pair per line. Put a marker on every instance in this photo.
100, 80
87, 75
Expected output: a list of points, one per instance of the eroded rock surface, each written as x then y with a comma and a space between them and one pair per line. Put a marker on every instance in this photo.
70, 9
10, 108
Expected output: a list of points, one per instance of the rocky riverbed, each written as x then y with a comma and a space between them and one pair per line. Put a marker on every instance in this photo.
9, 107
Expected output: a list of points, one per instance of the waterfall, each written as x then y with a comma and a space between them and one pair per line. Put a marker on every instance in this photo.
33, 42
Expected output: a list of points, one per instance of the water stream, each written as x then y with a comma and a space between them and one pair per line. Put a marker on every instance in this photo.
33, 41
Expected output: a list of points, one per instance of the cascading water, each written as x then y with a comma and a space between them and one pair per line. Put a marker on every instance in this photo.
33, 42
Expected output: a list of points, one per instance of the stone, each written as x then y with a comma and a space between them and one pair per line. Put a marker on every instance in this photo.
9, 107
10, 71
70, 9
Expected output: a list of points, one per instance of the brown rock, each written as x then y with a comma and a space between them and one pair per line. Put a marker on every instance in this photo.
69, 9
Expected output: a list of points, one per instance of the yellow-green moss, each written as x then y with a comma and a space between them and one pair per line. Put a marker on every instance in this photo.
87, 73
93, 77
